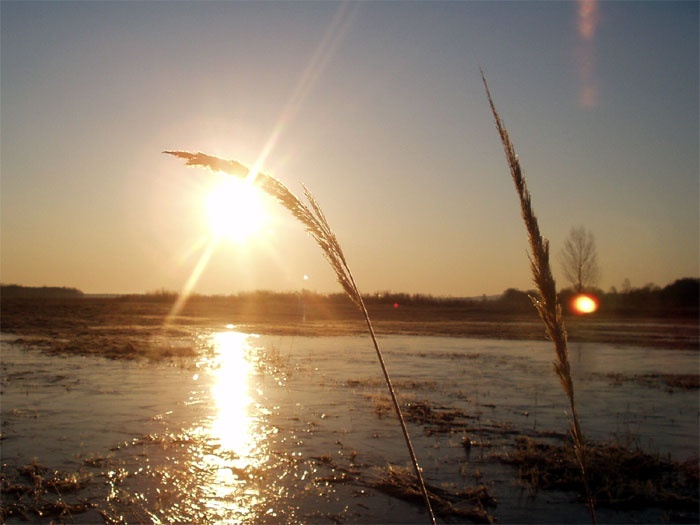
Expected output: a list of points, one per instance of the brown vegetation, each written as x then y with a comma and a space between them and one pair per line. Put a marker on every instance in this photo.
470, 503
621, 475
546, 303
132, 325
313, 219
38, 492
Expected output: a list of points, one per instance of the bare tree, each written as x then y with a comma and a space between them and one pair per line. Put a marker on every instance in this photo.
579, 259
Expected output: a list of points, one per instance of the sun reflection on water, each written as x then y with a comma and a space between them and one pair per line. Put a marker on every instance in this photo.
219, 459
237, 450
232, 425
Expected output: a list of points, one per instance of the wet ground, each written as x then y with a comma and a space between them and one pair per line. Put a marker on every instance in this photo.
292, 429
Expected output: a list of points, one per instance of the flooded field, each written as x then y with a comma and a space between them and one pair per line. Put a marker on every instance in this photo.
293, 429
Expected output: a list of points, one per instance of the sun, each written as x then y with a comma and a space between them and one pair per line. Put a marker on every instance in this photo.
584, 304
235, 209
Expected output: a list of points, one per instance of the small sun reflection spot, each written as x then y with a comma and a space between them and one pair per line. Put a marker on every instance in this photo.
584, 304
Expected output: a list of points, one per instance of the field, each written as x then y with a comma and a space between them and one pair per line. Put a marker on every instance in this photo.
132, 318
274, 411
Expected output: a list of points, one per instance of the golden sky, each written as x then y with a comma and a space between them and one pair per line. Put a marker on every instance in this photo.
378, 108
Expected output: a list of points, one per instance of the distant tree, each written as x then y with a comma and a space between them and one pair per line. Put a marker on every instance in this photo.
579, 259
651, 287
626, 285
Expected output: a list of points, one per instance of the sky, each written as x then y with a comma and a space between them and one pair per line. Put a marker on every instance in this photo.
378, 108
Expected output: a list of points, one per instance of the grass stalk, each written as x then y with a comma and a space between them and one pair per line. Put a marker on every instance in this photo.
547, 304
316, 224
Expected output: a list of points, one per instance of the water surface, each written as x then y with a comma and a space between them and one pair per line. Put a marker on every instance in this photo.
284, 429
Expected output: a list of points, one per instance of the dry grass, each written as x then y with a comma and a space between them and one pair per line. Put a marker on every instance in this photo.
116, 346
669, 382
314, 221
624, 476
468, 503
35, 492
547, 304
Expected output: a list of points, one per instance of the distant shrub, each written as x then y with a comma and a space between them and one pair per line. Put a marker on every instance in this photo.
683, 293
32, 292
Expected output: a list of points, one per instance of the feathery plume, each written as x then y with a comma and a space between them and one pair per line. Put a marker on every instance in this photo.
316, 224
547, 304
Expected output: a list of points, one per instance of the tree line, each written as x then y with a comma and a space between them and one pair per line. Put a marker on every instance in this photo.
18, 291
682, 297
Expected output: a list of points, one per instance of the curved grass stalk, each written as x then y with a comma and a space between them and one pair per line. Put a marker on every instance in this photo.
316, 224
547, 304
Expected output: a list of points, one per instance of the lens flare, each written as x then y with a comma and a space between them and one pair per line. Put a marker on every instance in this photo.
584, 304
587, 21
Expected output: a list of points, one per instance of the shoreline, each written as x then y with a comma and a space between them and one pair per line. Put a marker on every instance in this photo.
118, 322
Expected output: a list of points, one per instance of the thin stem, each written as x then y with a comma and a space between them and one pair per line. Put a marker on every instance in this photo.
397, 407
547, 304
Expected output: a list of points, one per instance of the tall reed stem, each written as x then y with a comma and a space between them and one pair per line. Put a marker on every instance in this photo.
316, 224
547, 304
394, 399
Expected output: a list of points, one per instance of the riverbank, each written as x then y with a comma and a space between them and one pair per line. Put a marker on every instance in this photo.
131, 318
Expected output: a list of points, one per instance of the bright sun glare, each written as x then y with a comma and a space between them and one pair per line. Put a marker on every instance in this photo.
584, 304
235, 209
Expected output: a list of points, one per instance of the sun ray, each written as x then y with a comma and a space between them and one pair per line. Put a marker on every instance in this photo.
332, 38
220, 208
192, 281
